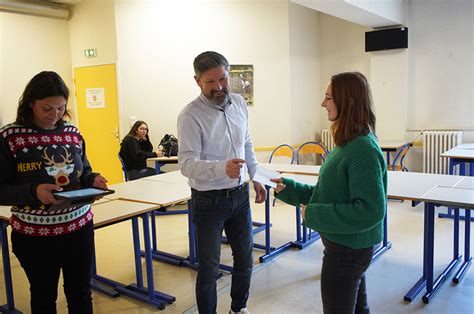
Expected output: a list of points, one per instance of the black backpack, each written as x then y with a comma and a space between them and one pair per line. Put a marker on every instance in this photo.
169, 145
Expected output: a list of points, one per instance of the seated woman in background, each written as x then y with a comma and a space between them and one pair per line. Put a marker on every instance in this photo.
135, 149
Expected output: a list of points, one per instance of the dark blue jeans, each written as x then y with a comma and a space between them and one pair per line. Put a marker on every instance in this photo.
213, 211
43, 258
343, 288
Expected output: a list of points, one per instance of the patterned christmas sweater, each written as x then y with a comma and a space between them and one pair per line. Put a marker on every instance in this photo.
30, 156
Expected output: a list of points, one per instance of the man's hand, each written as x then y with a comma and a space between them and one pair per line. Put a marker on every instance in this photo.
233, 166
44, 192
260, 191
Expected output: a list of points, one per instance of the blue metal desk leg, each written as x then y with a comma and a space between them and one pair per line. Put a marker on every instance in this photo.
467, 242
269, 251
385, 244
421, 283
157, 167
10, 306
432, 286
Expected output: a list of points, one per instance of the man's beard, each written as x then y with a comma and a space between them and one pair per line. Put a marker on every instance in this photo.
219, 101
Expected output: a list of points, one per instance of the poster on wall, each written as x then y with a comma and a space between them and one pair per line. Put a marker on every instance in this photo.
95, 98
241, 81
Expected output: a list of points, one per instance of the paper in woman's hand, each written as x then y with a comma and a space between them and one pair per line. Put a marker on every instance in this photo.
263, 175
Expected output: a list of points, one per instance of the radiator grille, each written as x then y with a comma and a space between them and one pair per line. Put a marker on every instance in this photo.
434, 144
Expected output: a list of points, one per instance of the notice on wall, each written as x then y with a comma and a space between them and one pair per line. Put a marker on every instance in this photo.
95, 98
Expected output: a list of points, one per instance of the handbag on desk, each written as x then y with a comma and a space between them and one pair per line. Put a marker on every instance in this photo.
169, 145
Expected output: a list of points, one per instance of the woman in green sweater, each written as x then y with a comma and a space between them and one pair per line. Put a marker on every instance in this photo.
347, 206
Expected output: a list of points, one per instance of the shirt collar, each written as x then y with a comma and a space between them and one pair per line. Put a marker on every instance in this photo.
207, 102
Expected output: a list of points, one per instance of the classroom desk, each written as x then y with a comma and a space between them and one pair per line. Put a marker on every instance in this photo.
106, 212
459, 156
114, 211
456, 197
4, 221
416, 187
163, 160
390, 146
294, 169
465, 146
304, 235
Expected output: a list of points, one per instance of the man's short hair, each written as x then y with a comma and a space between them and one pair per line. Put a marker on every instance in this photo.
209, 60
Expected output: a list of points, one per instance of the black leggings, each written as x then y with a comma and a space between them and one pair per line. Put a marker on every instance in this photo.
42, 258
343, 288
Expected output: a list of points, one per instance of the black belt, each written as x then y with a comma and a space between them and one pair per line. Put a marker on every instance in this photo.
224, 192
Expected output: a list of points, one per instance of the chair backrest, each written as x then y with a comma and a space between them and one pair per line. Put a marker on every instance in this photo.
283, 150
311, 148
400, 156
123, 167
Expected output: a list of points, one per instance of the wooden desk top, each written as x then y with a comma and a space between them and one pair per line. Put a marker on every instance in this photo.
394, 145
152, 192
169, 177
5, 213
106, 212
459, 153
296, 169
114, 211
164, 159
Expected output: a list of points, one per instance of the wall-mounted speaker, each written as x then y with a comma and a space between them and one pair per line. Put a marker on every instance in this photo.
392, 38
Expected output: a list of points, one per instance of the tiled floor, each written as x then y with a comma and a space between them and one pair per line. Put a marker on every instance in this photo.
287, 284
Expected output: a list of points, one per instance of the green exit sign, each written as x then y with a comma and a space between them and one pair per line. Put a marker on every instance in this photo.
90, 53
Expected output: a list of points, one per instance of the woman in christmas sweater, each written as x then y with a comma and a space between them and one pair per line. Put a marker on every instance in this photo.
347, 205
40, 153
135, 149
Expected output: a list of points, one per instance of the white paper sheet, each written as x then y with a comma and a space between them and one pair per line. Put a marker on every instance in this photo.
263, 175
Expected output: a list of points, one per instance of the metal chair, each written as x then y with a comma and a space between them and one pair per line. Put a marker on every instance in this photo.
123, 167
316, 148
283, 150
400, 156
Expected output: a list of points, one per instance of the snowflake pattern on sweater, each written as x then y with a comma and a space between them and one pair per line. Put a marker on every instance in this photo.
31, 156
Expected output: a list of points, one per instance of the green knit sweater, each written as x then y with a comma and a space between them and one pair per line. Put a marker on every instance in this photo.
348, 204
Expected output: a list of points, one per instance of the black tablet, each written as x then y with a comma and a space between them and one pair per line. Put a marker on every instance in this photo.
78, 197
82, 193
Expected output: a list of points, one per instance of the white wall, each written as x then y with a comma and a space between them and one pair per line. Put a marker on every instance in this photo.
157, 42
304, 74
92, 25
30, 45
441, 64
342, 48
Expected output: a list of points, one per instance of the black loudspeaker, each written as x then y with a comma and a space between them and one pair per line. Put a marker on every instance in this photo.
393, 38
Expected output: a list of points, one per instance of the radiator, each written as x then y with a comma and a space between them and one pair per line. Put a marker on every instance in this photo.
327, 139
434, 144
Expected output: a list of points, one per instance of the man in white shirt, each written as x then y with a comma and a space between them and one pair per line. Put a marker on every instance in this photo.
216, 155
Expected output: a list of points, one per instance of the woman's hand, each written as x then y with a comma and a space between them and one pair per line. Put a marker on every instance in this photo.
303, 210
100, 182
159, 153
44, 192
280, 186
